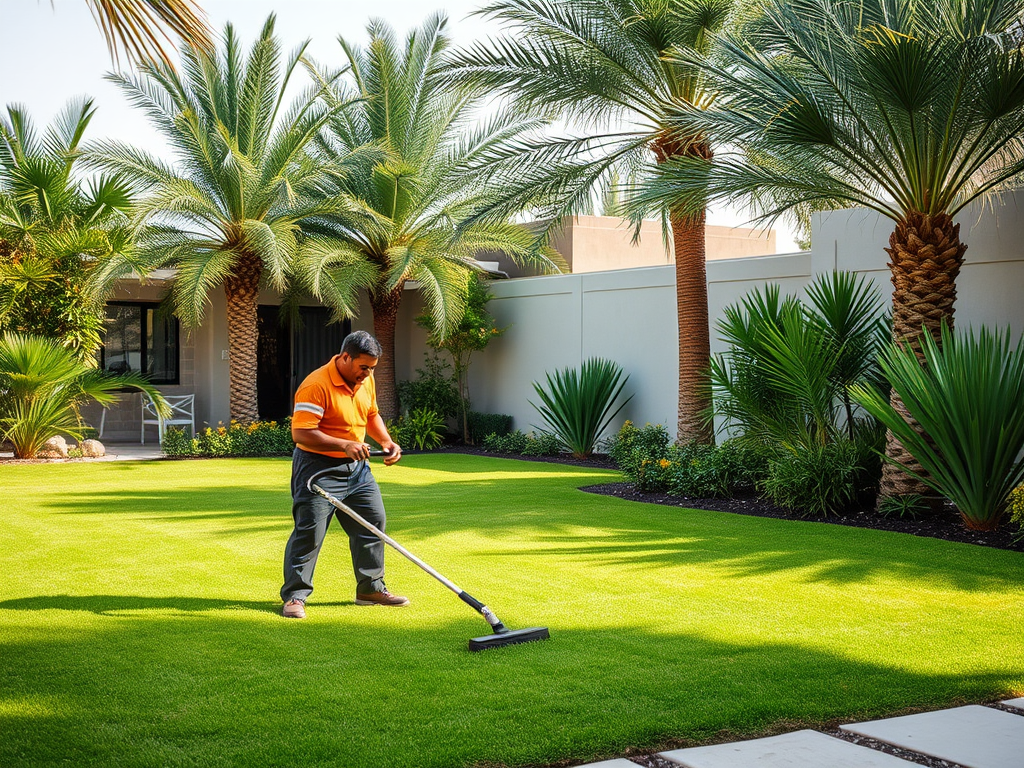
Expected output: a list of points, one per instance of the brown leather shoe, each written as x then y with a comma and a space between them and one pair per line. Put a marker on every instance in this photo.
294, 609
382, 598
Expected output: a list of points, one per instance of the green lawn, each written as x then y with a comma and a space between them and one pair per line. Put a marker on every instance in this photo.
139, 621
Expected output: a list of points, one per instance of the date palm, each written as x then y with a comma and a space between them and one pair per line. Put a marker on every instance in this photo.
227, 215
912, 109
603, 64
139, 28
416, 195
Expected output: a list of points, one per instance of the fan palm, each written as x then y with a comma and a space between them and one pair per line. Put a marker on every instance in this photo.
604, 64
416, 195
228, 214
53, 226
912, 109
41, 386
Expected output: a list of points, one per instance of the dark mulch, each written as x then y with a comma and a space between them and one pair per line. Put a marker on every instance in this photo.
945, 525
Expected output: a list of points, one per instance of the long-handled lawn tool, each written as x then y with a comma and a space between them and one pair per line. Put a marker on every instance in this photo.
502, 635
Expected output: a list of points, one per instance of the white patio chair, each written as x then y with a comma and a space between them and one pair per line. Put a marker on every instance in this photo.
183, 411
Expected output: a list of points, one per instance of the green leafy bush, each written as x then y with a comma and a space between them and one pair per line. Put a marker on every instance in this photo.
577, 403
968, 398
483, 424
817, 480
260, 438
520, 444
513, 442
434, 389
542, 444
422, 429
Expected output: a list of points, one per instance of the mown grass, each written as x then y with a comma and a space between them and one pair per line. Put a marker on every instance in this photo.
139, 623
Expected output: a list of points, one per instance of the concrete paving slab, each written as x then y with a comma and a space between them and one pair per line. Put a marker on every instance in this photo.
800, 749
1018, 703
617, 763
973, 736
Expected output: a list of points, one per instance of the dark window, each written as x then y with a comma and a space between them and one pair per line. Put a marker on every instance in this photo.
141, 338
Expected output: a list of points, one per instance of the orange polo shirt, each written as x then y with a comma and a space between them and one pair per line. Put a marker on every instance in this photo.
324, 401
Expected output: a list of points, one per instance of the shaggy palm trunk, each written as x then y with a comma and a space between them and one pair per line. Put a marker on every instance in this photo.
691, 303
385, 316
242, 291
925, 257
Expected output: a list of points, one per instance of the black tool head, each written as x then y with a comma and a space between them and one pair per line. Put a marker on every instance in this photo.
512, 637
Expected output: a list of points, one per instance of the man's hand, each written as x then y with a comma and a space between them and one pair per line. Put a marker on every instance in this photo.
357, 451
394, 451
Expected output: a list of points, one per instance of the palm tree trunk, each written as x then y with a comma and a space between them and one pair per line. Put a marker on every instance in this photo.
925, 258
385, 316
694, 337
691, 301
242, 292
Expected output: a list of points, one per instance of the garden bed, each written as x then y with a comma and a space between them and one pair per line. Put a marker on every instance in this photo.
946, 525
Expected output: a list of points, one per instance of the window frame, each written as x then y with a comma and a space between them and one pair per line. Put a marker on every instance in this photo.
144, 351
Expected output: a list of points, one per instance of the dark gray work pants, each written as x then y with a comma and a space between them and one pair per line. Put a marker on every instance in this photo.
354, 485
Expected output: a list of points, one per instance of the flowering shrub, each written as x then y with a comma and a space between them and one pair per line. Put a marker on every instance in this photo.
642, 455
1015, 508
260, 438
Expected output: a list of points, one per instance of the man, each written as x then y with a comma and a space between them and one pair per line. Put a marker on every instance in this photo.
335, 408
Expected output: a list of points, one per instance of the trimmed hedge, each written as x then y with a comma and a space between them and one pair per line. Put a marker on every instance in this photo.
260, 438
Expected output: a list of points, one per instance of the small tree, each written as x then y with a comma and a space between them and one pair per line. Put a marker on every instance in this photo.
472, 334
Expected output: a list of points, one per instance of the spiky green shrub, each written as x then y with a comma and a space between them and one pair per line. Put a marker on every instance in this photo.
784, 379
421, 429
968, 398
904, 505
577, 403
42, 386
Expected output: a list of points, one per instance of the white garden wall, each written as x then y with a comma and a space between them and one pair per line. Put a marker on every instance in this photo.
629, 315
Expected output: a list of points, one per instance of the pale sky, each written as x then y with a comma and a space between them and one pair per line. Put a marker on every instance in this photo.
51, 54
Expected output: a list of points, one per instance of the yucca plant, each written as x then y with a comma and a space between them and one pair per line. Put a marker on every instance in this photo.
42, 384
968, 398
577, 403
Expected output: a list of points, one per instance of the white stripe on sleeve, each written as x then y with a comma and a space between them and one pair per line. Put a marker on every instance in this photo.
310, 407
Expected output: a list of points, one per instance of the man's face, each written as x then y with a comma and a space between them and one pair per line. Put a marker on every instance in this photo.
354, 370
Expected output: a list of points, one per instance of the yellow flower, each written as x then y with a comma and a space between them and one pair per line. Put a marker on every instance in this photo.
664, 463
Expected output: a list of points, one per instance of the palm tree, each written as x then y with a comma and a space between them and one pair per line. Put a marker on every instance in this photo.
415, 195
53, 226
911, 109
139, 28
228, 214
604, 64
42, 384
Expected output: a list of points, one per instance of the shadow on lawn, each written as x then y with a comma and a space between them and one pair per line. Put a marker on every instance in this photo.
558, 521
221, 691
103, 605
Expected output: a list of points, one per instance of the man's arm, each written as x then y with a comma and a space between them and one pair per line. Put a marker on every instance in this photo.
375, 428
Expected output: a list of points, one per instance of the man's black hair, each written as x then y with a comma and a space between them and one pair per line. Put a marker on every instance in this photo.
360, 343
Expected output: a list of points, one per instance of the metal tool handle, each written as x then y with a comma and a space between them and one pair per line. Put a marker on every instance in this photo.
467, 598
